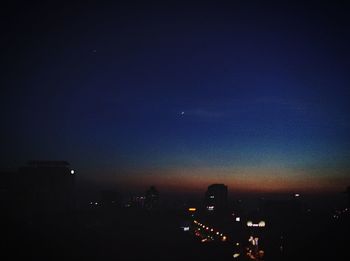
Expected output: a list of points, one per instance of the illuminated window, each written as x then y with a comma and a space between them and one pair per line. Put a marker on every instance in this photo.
262, 223
210, 208
186, 228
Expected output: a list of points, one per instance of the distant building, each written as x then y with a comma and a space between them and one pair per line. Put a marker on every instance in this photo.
110, 198
6, 192
45, 189
151, 198
136, 201
216, 197
278, 212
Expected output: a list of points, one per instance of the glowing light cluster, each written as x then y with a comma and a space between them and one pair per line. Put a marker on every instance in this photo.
213, 231
210, 208
260, 224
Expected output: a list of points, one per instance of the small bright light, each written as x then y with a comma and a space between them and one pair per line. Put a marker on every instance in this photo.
296, 195
224, 238
235, 255
249, 223
212, 197
211, 230
217, 233
72, 171
186, 228
192, 209
261, 253
210, 208
262, 223
253, 240
237, 244
238, 219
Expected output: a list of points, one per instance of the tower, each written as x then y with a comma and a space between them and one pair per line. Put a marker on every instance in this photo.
216, 197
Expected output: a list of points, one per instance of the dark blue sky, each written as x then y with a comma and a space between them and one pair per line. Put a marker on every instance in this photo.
181, 95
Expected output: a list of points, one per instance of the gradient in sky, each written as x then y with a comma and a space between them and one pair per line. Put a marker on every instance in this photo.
253, 95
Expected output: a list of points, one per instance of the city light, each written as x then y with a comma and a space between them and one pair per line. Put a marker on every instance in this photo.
192, 209
253, 240
207, 229
72, 172
262, 223
210, 208
238, 219
235, 255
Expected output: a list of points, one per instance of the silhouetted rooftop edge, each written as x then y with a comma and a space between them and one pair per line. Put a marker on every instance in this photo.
48, 163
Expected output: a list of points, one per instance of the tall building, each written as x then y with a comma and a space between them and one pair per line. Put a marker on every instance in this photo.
216, 197
45, 189
151, 198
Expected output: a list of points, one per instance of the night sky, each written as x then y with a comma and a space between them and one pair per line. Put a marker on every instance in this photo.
252, 95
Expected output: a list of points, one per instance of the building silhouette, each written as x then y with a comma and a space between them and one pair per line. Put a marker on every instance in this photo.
151, 198
45, 190
110, 198
216, 197
6, 192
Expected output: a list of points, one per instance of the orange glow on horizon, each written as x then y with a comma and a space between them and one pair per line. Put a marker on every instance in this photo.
239, 180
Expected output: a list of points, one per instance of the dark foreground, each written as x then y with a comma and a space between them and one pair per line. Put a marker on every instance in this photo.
136, 234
